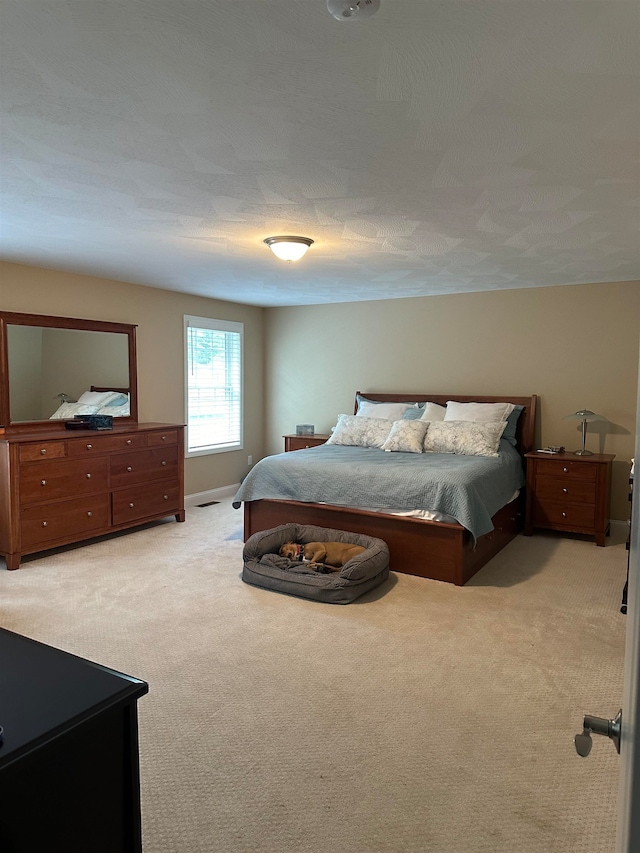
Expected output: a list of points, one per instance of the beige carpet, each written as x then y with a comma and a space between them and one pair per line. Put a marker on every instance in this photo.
424, 718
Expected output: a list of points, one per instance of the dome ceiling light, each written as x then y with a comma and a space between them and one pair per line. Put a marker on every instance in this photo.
352, 10
288, 248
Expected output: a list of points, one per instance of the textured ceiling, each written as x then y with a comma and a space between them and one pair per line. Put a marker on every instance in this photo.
438, 147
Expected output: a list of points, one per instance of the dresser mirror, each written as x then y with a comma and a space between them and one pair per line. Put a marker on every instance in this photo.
46, 362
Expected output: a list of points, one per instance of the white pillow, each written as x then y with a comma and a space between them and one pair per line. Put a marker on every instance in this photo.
433, 412
388, 411
98, 398
360, 432
406, 436
68, 411
464, 437
478, 412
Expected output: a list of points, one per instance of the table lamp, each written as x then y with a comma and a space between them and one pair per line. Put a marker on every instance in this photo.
586, 416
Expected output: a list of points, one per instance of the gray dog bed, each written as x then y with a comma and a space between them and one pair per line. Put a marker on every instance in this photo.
263, 566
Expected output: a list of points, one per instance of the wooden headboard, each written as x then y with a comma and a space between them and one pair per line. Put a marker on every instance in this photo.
110, 388
525, 432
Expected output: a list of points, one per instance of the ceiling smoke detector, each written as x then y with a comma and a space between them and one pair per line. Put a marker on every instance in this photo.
352, 10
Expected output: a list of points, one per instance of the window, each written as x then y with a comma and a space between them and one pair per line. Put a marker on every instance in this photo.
213, 360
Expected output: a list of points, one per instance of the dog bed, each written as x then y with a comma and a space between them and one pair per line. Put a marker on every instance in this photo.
263, 565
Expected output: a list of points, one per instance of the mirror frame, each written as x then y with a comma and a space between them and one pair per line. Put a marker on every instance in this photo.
9, 318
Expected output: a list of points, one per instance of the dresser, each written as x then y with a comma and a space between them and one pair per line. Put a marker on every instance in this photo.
69, 766
569, 493
64, 486
303, 442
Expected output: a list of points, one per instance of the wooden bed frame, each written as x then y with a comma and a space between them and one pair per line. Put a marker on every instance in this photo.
429, 549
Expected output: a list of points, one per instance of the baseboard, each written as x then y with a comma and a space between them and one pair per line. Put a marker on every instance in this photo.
211, 495
617, 522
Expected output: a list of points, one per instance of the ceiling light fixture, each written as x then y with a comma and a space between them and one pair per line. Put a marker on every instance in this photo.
288, 248
352, 10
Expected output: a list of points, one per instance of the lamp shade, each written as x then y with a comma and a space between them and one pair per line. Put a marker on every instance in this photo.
288, 248
584, 415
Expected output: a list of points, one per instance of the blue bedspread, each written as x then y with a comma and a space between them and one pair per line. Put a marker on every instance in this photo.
471, 489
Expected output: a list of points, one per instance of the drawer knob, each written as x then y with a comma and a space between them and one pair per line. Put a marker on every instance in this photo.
89, 514
44, 523
166, 497
43, 451
131, 505
88, 476
89, 446
128, 441
163, 462
566, 491
565, 469
564, 514
164, 437
43, 482
129, 468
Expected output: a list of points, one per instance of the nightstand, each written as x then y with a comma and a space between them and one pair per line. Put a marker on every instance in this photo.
302, 442
569, 493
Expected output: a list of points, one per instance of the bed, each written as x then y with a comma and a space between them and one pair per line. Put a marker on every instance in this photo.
97, 401
442, 550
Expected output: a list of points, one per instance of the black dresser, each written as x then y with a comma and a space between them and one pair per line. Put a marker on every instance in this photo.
69, 767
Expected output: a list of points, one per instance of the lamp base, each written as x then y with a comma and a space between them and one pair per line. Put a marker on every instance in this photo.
582, 453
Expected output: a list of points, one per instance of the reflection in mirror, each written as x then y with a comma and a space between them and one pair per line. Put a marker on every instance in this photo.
46, 361
49, 366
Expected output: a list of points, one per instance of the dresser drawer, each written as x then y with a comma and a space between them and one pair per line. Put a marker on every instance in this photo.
131, 468
162, 439
566, 469
105, 444
568, 489
64, 519
45, 450
565, 515
62, 478
145, 501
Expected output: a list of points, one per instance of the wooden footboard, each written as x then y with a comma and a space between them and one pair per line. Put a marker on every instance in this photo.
429, 549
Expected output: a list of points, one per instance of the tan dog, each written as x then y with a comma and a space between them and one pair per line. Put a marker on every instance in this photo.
322, 554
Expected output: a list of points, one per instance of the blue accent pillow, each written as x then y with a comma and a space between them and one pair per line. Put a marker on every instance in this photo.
512, 422
414, 414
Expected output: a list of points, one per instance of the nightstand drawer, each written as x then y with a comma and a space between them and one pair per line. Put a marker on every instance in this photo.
565, 515
569, 489
566, 468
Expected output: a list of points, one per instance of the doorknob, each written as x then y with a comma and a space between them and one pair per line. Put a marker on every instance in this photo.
598, 726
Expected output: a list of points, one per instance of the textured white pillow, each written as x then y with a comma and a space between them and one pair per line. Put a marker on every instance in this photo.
388, 411
464, 437
433, 412
406, 436
478, 412
360, 432
98, 398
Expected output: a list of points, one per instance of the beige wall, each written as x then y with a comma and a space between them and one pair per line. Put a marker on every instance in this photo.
575, 346
159, 317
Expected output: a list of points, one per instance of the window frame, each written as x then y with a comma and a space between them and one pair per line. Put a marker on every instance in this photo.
191, 321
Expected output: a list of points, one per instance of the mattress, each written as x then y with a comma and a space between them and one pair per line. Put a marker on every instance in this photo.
466, 489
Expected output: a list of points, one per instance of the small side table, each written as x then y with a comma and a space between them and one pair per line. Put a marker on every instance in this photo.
569, 493
302, 442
